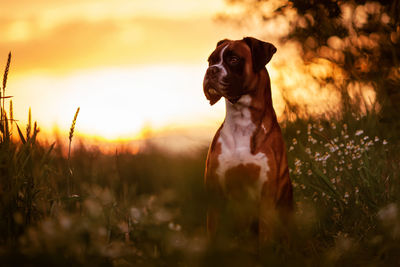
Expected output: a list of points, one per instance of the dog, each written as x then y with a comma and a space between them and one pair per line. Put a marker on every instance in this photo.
246, 162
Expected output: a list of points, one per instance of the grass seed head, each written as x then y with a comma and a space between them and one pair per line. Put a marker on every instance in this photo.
72, 129
6, 73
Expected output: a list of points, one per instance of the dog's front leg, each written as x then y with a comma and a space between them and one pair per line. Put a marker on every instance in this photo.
213, 214
268, 217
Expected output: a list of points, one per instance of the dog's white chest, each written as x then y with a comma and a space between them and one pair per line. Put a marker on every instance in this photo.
235, 139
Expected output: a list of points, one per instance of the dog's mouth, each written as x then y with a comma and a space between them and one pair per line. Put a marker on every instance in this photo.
222, 92
212, 91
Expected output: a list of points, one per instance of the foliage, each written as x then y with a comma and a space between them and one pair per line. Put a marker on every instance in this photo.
359, 39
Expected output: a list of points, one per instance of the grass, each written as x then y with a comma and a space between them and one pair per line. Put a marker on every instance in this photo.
71, 135
148, 209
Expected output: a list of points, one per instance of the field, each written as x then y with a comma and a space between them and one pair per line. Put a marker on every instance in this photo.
148, 209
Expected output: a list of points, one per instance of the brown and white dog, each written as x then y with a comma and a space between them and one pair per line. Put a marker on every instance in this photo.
246, 162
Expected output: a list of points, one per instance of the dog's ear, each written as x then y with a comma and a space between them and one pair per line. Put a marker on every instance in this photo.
221, 42
261, 52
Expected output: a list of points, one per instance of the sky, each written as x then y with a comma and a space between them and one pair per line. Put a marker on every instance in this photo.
129, 65
133, 67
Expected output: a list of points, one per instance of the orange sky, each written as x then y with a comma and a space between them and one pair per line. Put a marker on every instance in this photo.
128, 64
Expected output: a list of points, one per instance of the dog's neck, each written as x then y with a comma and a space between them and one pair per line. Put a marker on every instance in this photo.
253, 108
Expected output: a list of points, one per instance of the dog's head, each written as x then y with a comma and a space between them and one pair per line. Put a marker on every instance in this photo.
233, 66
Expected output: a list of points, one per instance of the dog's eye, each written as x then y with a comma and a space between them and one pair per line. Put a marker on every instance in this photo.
233, 60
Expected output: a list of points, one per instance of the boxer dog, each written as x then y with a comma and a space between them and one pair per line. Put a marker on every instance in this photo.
246, 162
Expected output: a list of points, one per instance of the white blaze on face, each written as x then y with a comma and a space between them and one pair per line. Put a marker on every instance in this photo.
234, 138
220, 63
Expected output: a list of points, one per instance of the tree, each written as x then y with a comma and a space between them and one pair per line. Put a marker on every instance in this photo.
359, 38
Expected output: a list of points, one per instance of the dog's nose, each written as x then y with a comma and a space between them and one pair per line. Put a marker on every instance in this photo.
213, 70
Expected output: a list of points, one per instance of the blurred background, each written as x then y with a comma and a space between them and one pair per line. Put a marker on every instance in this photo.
102, 188
136, 67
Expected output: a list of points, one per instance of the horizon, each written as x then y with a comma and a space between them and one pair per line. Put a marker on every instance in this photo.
131, 69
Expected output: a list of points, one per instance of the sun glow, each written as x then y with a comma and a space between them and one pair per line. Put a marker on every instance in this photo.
118, 103
133, 67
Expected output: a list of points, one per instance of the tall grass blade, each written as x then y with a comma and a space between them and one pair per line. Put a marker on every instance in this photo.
72, 129
1, 122
21, 135
29, 125
11, 116
6, 129
71, 135
6, 72
36, 130
5, 80
49, 150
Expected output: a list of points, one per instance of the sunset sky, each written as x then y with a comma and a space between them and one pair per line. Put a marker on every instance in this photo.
129, 65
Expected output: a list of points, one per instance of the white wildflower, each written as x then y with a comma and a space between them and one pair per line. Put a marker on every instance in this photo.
174, 227
349, 145
349, 166
359, 132
326, 156
333, 148
136, 214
